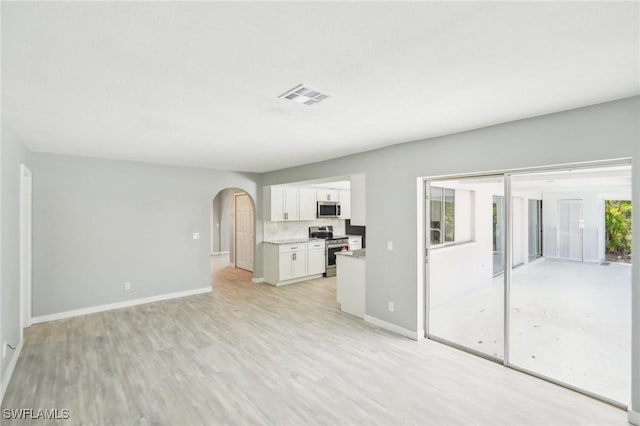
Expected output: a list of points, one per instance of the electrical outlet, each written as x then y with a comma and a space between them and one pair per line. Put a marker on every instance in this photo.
391, 307
196, 235
127, 285
389, 245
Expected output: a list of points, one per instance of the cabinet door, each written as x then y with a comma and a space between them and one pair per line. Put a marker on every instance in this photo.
307, 204
327, 194
276, 201
299, 264
291, 203
345, 204
285, 266
316, 262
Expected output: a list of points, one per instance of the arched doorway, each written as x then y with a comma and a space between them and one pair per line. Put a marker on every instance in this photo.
232, 235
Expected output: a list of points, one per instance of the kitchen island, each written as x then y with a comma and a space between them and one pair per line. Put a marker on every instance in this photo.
350, 283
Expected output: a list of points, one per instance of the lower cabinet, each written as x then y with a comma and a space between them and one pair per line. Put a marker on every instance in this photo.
285, 263
293, 265
316, 261
355, 242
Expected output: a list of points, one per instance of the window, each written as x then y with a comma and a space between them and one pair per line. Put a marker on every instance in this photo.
442, 215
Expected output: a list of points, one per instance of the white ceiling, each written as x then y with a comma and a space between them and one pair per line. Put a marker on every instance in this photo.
197, 83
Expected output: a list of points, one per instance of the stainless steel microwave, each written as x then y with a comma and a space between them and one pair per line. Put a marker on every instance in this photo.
328, 209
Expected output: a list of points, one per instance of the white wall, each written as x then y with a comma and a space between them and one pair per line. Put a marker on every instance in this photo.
13, 153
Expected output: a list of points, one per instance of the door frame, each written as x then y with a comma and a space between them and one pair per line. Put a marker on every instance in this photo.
424, 257
26, 249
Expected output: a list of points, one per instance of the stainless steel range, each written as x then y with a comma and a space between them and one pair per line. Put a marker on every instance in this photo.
333, 246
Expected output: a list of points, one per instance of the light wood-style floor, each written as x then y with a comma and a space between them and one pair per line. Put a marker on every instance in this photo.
256, 354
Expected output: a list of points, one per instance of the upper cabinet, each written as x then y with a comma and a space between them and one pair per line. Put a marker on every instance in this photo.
345, 203
307, 203
281, 203
326, 194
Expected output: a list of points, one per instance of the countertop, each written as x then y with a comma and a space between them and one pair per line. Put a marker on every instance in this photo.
293, 241
303, 240
358, 254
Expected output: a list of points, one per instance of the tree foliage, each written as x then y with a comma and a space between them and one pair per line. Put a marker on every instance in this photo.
618, 227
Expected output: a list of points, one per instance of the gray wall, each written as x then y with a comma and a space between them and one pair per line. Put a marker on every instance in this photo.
597, 132
99, 223
13, 154
220, 217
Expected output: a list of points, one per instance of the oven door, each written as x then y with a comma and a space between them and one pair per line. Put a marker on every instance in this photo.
331, 253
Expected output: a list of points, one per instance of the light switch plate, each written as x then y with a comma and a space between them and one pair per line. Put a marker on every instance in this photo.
389, 245
196, 235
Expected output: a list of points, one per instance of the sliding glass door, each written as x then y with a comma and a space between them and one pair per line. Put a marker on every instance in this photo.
561, 309
570, 310
466, 233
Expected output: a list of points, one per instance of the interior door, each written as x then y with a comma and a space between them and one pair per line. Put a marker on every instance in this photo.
244, 232
570, 230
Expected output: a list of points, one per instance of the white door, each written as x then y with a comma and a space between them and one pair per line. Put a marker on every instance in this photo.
570, 229
25, 248
244, 232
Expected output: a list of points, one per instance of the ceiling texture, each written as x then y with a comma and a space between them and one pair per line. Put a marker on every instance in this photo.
198, 83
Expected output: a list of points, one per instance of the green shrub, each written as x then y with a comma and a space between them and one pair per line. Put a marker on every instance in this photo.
618, 227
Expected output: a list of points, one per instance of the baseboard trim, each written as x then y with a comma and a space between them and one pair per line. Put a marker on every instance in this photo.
257, 280
12, 365
118, 305
413, 335
634, 417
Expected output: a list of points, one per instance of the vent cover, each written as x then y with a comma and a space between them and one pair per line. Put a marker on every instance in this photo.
304, 95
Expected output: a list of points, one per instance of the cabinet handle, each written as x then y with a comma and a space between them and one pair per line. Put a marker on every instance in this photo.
293, 248
286, 216
294, 256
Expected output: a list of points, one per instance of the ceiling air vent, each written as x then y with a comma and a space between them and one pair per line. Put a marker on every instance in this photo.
304, 95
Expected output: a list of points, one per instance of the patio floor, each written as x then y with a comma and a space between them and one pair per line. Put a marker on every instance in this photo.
570, 321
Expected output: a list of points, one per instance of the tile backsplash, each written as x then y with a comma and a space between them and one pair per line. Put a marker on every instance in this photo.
298, 228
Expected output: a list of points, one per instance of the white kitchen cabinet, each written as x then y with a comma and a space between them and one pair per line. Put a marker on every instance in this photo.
316, 258
350, 284
299, 264
355, 242
345, 204
289, 263
307, 204
292, 262
327, 194
281, 203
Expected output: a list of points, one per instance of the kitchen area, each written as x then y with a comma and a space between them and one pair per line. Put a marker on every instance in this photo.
317, 230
